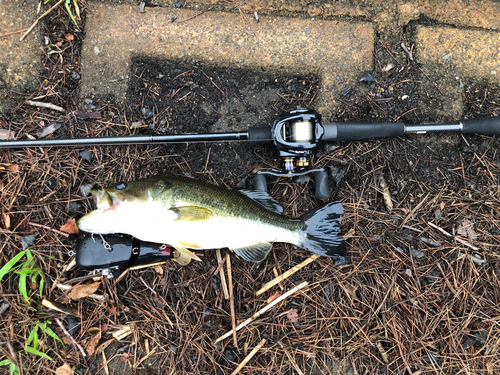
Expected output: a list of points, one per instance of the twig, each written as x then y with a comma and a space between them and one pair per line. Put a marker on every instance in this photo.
12, 32
231, 299
193, 16
248, 357
413, 229
49, 228
290, 358
146, 285
46, 105
222, 276
263, 310
71, 338
288, 273
39, 18
455, 238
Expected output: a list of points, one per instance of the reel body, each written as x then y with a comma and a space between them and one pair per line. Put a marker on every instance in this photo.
296, 135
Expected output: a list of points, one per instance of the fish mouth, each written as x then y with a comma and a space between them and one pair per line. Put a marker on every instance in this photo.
98, 220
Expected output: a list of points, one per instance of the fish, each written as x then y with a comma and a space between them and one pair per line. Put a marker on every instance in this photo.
191, 215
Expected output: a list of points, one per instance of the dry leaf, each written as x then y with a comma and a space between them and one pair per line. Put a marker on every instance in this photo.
466, 228
6, 220
351, 290
48, 130
158, 269
70, 227
293, 316
273, 297
385, 193
64, 370
6, 134
69, 37
388, 67
112, 310
92, 344
441, 206
8, 167
83, 290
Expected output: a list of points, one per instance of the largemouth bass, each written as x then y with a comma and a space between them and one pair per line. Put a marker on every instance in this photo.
189, 214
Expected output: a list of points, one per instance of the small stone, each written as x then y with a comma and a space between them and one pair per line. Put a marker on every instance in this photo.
86, 155
85, 189
308, 31
4, 307
173, 348
97, 51
368, 78
74, 207
27, 241
438, 214
417, 253
146, 113
229, 355
340, 261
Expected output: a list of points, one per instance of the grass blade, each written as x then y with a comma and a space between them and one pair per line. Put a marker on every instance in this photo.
31, 350
10, 264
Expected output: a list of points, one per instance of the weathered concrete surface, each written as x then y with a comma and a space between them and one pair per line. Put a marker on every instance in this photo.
339, 52
20, 61
449, 56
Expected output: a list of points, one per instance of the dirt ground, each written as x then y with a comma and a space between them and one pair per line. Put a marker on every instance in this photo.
409, 300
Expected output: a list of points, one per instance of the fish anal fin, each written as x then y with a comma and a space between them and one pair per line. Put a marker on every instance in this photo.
254, 253
192, 213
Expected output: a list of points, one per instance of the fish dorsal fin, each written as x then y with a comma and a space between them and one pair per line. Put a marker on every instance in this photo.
254, 253
264, 199
192, 213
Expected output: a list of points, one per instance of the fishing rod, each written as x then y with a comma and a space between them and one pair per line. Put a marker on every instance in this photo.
295, 135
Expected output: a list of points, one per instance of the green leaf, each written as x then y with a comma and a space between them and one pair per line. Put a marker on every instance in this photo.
71, 14
31, 350
25, 271
32, 335
77, 8
10, 264
42, 283
22, 286
13, 369
52, 334
5, 362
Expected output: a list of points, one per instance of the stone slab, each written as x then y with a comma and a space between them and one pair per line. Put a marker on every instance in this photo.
339, 52
20, 61
450, 56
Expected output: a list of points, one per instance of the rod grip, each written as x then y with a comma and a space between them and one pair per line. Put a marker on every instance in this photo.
261, 134
489, 125
357, 131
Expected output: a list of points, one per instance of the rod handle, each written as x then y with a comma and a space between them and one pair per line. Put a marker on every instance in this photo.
489, 125
261, 134
357, 131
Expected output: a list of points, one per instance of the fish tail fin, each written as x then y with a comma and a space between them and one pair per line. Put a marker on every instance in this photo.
321, 235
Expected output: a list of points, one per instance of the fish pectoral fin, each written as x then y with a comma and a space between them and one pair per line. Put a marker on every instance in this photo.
184, 256
254, 253
192, 213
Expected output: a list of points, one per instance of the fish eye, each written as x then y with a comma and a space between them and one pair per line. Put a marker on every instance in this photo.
121, 186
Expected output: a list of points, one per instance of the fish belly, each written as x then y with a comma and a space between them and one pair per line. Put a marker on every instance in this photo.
215, 233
